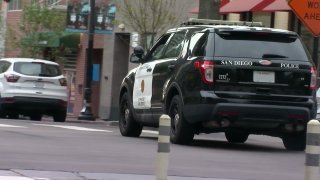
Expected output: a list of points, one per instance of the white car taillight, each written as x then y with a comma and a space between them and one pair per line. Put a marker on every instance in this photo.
11, 77
206, 71
313, 79
63, 81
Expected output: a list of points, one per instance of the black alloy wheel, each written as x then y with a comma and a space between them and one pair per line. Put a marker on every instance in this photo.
181, 131
127, 125
294, 141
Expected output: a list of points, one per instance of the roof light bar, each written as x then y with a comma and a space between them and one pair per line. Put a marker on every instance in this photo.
193, 21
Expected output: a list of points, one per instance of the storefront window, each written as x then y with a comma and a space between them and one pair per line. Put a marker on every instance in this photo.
15, 5
264, 17
51, 2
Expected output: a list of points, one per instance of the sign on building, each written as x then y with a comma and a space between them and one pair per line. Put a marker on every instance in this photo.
134, 39
78, 16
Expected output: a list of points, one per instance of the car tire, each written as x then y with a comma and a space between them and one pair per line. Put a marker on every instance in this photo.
181, 131
127, 124
36, 117
60, 116
236, 136
294, 141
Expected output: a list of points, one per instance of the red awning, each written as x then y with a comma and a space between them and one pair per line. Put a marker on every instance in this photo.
224, 2
278, 5
235, 6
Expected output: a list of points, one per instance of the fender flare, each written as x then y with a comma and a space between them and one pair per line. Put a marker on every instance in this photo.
173, 89
125, 87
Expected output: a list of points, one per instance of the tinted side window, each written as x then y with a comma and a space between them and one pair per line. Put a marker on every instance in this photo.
174, 47
37, 69
4, 65
157, 50
198, 44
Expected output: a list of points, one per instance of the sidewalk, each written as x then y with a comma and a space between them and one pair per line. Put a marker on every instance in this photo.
18, 174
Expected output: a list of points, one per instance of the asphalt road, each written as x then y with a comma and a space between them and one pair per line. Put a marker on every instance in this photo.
96, 150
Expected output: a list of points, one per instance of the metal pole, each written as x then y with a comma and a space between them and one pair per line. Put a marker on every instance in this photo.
315, 51
86, 113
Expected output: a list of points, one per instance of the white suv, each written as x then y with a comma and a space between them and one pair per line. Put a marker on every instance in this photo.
32, 87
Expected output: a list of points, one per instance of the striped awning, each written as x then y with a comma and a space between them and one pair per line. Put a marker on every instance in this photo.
238, 6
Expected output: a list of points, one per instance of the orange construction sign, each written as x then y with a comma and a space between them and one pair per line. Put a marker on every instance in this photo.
308, 11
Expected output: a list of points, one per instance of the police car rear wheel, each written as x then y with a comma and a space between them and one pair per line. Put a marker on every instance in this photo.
294, 141
181, 131
236, 136
127, 125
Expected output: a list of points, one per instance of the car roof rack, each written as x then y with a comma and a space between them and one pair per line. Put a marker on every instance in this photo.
193, 21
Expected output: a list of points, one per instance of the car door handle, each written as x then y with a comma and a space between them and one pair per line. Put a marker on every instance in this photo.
149, 69
171, 66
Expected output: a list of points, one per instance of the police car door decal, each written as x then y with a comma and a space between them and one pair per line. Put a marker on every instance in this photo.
142, 89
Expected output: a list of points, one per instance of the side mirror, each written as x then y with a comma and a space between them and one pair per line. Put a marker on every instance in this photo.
137, 55
138, 51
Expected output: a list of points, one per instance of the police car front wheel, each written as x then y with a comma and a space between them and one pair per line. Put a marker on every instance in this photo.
127, 125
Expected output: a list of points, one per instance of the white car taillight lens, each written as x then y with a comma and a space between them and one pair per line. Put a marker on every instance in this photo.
206, 71
313, 79
63, 81
11, 78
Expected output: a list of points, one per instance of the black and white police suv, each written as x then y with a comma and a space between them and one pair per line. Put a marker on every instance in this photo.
211, 76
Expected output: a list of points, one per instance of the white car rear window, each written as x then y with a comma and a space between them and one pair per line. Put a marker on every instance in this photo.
37, 69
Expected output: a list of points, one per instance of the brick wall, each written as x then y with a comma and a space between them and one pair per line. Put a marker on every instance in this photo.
13, 19
81, 73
